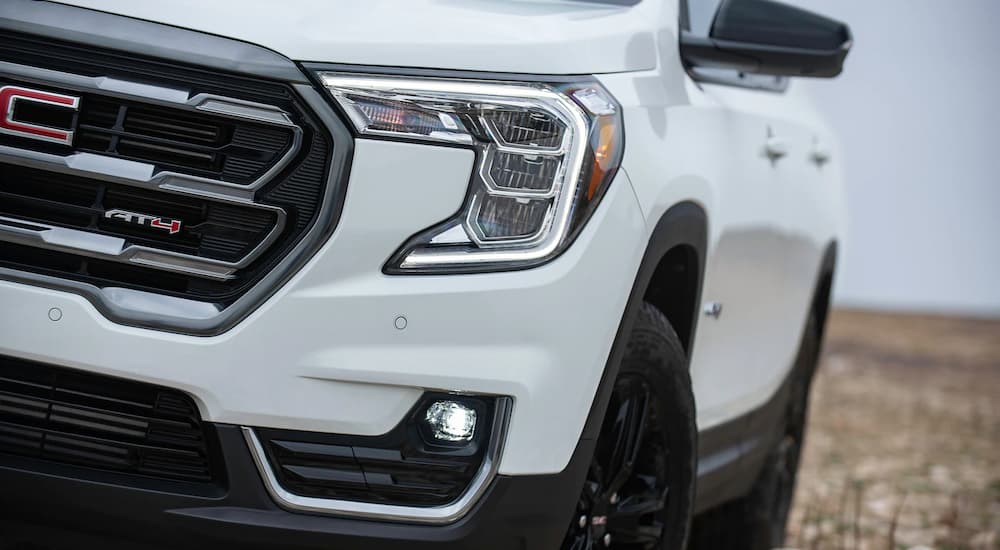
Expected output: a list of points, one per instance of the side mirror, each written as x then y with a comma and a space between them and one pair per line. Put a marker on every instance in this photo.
768, 37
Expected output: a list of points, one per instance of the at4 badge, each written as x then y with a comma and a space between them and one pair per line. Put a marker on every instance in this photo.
144, 220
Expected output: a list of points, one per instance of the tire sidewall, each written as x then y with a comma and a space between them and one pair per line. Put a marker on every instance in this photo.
655, 353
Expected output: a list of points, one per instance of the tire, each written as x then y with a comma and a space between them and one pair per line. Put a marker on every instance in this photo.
660, 482
758, 520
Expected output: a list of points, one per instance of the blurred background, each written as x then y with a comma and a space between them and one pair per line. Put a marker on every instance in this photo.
903, 448
917, 114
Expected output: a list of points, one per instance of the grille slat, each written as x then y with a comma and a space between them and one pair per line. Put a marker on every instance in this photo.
85, 416
52, 212
166, 154
175, 143
368, 473
156, 125
173, 139
83, 419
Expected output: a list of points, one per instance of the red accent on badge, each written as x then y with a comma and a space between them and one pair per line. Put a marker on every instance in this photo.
173, 226
11, 95
144, 220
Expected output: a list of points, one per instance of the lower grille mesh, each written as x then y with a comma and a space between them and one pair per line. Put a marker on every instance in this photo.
70, 417
371, 474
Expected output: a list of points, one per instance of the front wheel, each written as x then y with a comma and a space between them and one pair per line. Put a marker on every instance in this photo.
640, 486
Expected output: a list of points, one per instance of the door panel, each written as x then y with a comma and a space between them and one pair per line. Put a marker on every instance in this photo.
805, 220
745, 268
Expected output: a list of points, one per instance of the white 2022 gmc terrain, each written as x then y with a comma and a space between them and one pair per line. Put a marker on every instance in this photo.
435, 274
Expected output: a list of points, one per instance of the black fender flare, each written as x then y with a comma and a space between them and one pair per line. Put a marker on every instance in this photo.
685, 223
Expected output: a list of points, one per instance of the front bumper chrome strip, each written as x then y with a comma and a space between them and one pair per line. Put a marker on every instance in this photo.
448, 513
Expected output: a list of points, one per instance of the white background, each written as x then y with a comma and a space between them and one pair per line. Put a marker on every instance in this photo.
918, 114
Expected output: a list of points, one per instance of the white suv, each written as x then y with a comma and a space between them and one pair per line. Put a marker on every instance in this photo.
436, 274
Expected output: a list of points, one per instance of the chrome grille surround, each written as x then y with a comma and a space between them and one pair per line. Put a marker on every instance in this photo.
299, 227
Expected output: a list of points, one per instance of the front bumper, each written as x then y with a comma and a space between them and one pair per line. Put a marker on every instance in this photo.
53, 510
324, 354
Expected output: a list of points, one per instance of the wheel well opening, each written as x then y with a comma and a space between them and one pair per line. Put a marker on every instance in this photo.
821, 303
673, 290
824, 288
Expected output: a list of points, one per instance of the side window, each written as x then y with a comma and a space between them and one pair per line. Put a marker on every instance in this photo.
700, 14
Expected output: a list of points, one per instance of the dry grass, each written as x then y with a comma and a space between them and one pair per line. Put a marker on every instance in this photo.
903, 449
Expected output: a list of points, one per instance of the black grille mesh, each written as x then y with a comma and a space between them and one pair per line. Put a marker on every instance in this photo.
371, 474
71, 417
192, 143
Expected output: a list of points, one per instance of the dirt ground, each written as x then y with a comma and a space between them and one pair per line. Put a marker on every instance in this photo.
903, 448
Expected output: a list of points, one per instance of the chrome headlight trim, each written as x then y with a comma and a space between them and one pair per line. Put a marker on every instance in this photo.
460, 103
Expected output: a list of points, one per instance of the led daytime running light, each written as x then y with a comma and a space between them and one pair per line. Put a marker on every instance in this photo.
545, 154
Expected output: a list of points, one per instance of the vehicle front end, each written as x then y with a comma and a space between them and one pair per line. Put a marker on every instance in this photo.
340, 301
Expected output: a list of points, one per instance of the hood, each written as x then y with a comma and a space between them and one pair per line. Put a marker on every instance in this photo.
521, 36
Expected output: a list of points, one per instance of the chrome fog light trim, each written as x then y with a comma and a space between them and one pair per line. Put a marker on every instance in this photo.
410, 514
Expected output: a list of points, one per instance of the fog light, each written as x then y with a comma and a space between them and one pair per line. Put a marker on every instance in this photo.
451, 421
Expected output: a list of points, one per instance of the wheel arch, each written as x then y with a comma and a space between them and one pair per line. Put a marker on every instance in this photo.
675, 255
824, 287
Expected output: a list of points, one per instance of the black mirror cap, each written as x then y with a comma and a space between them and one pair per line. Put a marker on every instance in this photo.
768, 37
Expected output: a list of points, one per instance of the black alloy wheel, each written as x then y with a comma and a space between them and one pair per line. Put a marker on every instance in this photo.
639, 488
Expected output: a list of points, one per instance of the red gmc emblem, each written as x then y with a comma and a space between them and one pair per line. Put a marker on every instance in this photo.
12, 97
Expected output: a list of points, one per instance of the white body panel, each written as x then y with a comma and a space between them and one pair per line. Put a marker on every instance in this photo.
323, 353
769, 222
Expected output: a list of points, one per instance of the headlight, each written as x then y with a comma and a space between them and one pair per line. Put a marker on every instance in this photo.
545, 154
